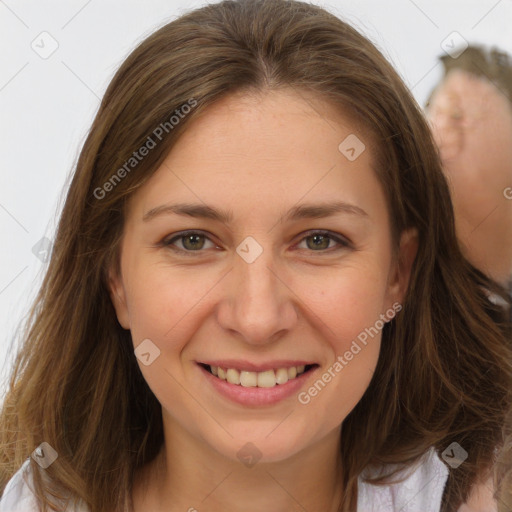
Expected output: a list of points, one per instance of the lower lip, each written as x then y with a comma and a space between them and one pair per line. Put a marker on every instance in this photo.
255, 395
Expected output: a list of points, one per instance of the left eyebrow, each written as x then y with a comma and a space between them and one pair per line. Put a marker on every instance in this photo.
318, 211
303, 211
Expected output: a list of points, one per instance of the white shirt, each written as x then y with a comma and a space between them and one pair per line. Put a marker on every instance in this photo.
19, 497
422, 491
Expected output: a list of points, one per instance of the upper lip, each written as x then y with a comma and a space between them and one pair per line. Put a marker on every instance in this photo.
239, 364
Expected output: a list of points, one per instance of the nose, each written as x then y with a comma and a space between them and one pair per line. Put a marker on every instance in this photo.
258, 306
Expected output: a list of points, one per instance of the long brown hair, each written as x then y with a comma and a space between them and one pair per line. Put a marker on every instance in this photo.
444, 374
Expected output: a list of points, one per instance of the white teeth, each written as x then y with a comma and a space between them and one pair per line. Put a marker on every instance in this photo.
282, 376
265, 379
248, 379
232, 376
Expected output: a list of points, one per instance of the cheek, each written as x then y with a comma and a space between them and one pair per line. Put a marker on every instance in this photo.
160, 300
164, 307
354, 337
352, 312
348, 301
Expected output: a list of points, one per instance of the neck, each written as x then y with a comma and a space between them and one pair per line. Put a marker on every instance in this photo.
189, 475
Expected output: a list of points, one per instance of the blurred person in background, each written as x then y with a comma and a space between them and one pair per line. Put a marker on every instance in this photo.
470, 112
471, 115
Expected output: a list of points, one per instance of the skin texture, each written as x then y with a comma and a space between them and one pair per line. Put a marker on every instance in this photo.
257, 156
472, 124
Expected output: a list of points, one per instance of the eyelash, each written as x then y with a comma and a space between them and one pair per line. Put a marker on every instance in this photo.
168, 242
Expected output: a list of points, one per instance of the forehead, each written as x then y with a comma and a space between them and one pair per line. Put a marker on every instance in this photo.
265, 149
468, 89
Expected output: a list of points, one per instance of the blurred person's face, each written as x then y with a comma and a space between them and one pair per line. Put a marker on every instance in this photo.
301, 302
472, 124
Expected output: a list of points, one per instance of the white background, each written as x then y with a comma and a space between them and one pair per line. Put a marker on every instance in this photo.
47, 105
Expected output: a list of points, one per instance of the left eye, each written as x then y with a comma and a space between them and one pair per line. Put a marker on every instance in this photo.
322, 239
193, 241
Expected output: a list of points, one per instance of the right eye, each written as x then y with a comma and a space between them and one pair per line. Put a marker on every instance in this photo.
191, 241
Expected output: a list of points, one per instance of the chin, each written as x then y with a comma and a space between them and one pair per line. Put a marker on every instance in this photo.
267, 443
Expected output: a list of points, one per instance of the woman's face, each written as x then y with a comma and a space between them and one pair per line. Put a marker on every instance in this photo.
260, 294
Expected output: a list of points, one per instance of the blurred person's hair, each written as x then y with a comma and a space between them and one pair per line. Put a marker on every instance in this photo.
444, 372
493, 64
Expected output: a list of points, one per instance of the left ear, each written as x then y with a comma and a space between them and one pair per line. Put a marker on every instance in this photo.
401, 271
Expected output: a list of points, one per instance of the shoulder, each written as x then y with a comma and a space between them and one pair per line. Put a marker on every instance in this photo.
18, 495
421, 489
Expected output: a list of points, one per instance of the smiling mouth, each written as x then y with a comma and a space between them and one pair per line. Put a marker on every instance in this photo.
265, 379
